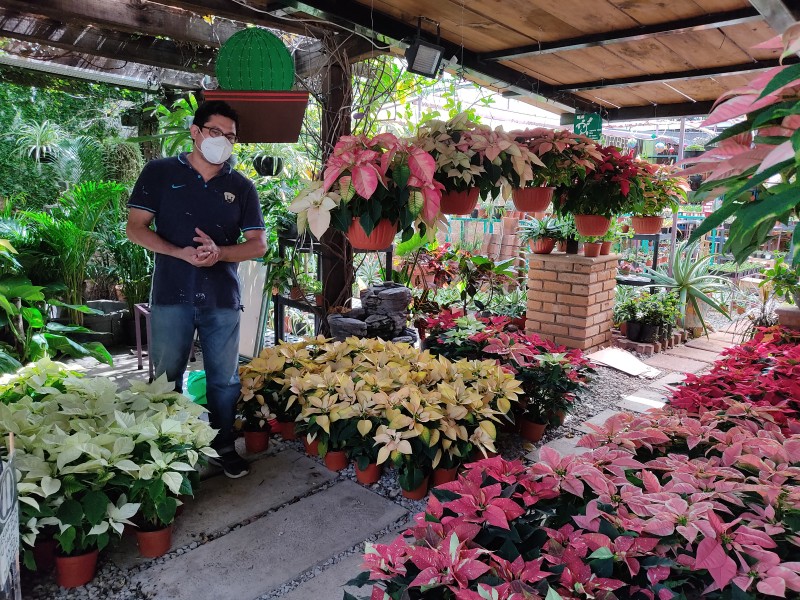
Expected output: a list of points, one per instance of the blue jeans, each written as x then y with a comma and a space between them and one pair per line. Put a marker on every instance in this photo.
172, 327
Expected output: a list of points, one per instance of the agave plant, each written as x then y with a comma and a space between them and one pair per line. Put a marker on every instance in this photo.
692, 280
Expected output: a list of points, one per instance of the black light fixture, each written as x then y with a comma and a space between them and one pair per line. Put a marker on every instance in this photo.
423, 57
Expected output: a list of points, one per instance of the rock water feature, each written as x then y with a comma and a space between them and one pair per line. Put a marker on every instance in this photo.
383, 314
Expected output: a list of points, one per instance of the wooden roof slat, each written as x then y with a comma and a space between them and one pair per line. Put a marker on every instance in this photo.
689, 46
588, 17
751, 34
581, 65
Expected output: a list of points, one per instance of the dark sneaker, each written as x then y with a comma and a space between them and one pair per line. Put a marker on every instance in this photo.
232, 464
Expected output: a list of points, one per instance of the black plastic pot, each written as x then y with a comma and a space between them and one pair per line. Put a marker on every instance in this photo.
648, 333
572, 246
634, 329
268, 166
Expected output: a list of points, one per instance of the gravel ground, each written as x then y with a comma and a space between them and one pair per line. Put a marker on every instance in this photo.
605, 389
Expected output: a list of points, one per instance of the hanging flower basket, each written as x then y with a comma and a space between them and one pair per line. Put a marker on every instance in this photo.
543, 245
459, 203
380, 238
647, 225
592, 225
533, 199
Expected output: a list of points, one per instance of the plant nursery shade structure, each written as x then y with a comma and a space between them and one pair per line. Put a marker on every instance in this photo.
627, 59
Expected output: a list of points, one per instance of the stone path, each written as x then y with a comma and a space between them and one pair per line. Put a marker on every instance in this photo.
695, 356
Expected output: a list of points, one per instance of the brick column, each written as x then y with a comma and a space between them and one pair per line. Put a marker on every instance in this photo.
570, 299
789, 316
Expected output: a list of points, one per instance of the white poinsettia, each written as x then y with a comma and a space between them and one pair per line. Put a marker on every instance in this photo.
313, 207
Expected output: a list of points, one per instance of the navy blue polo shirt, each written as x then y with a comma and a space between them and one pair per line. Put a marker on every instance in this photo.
222, 207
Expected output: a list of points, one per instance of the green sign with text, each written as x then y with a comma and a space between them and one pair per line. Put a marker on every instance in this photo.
590, 125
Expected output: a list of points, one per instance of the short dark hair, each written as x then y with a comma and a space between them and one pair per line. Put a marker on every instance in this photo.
215, 107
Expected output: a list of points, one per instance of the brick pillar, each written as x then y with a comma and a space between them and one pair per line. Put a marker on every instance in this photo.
789, 316
570, 299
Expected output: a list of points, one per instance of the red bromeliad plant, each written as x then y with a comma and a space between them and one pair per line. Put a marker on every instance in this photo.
667, 505
764, 372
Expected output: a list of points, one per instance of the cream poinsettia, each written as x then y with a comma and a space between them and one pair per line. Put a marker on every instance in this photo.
313, 207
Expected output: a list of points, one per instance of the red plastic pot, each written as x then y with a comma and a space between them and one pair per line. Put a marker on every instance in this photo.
605, 248
459, 203
369, 475
256, 441
591, 249
419, 492
647, 225
379, 239
592, 225
543, 245
336, 460
75, 571
153, 544
533, 199
533, 432
312, 448
44, 554
287, 430
441, 476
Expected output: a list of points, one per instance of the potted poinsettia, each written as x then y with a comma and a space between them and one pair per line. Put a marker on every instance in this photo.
255, 414
372, 188
663, 189
507, 162
459, 165
559, 157
611, 188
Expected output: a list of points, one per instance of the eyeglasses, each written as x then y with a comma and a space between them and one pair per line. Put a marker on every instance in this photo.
216, 132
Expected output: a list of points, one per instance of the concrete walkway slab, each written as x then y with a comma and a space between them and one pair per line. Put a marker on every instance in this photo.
725, 336
563, 445
675, 363
260, 557
330, 583
693, 353
668, 382
709, 344
222, 503
598, 419
642, 400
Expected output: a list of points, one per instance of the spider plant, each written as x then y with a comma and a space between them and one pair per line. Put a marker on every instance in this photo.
693, 281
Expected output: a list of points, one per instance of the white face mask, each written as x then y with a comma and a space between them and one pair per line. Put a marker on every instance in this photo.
216, 150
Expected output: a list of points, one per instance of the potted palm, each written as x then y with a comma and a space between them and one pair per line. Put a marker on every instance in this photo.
611, 188
558, 157
541, 234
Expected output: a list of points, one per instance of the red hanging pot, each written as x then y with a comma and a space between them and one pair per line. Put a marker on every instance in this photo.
369, 475
533, 432
592, 225
336, 460
153, 544
533, 199
647, 225
380, 238
459, 203
256, 441
543, 245
441, 476
75, 571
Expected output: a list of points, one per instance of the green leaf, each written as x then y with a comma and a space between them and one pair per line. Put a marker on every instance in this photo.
786, 76
601, 553
8, 363
66, 540
552, 594
70, 512
166, 510
33, 317
54, 327
77, 307
95, 505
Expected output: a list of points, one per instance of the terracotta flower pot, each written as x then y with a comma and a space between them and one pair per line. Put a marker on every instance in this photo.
591, 249
441, 476
287, 430
369, 475
459, 203
543, 245
379, 239
312, 448
153, 544
605, 248
531, 431
419, 492
533, 199
592, 225
647, 225
75, 571
256, 441
336, 460
44, 554
274, 425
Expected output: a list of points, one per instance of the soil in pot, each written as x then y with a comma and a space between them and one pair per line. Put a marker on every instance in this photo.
75, 571
153, 544
369, 475
336, 460
256, 441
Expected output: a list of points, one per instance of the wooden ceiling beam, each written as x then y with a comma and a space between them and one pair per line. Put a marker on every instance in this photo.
107, 43
699, 23
659, 111
780, 14
133, 16
757, 65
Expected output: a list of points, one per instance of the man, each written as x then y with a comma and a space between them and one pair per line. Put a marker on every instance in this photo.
200, 207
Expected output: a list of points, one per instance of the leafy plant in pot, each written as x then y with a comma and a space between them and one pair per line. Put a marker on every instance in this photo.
542, 234
663, 189
592, 245
330, 418
363, 450
784, 281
